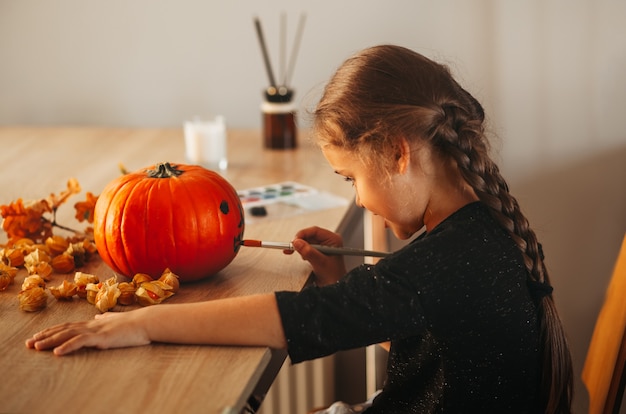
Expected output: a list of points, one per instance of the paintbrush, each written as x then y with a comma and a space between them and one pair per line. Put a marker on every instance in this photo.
330, 250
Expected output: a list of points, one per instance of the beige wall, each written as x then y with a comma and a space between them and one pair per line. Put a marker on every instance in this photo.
550, 73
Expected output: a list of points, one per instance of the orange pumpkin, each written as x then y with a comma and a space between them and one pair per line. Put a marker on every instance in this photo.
182, 217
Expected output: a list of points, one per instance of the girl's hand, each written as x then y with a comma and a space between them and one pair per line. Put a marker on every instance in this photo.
109, 330
327, 269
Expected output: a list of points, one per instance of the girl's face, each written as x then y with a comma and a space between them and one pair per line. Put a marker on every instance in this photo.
421, 191
383, 194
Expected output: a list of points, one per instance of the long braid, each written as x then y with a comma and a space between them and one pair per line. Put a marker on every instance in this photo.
462, 137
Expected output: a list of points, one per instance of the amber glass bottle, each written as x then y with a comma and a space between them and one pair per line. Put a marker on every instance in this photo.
279, 119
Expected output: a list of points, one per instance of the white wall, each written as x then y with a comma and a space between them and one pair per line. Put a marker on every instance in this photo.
559, 96
145, 62
549, 72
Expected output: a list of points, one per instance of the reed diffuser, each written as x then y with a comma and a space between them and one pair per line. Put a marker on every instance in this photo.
278, 108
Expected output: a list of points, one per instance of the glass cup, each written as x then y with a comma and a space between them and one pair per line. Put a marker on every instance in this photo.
205, 143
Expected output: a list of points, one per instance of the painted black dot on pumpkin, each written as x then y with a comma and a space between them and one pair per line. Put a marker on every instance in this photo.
224, 207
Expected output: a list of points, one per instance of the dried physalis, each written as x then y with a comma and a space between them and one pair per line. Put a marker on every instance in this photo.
90, 247
35, 256
7, 275
10, 269
107, 296
81, 252
153, 293
171, 279
82, 280
33, 296
57, 245
63, 263
12, 256
33, 281
93, 289
6, 278
38, 262
43, 269
127, 293
24, 245
33, 299
65, 291
102, 291
139, 278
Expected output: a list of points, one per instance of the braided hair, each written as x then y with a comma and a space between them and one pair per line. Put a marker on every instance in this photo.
386, 92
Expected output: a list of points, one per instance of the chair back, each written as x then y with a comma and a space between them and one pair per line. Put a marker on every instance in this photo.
603, 373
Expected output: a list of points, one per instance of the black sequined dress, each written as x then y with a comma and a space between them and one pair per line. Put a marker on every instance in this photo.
456, 307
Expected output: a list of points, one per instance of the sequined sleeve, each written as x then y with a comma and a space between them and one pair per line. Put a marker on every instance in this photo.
351, 313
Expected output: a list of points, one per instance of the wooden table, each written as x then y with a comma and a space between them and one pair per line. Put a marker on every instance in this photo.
35, 162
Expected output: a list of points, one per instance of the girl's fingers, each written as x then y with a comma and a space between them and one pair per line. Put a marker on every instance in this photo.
54, 336
112, 330
327, 269
67, 336
318, 235
72, 344
42, 337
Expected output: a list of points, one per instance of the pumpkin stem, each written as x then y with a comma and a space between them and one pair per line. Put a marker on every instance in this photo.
164, 170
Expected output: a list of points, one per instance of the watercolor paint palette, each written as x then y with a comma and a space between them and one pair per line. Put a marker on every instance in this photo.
285, 199
274, 193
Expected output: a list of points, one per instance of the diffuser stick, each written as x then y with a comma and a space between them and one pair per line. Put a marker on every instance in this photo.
283, 46
295, 49
266, 57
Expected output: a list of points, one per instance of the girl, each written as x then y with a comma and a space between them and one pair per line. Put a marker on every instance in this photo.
467, 305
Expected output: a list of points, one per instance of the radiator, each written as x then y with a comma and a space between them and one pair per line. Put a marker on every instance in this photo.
301, 387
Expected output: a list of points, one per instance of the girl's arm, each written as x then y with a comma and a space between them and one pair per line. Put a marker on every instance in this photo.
246, 320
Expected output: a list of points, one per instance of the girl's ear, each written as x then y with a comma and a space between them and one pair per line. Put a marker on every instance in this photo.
404, 155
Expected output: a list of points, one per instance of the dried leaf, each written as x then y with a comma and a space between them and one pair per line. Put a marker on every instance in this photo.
85, 209
26, 220
72, 188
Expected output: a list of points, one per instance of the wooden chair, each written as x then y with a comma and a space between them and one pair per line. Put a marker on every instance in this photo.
603, 373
